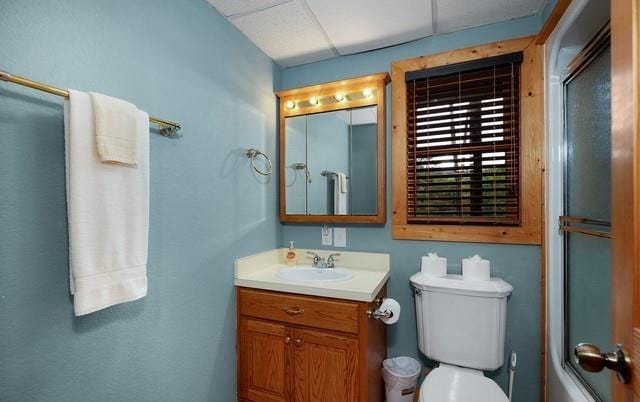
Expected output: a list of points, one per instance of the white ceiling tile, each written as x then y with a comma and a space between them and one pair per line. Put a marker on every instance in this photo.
359, 25
287, 33
452, 15
296, 32
235, 7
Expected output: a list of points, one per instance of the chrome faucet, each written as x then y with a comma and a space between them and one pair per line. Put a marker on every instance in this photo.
318, 262
331, 261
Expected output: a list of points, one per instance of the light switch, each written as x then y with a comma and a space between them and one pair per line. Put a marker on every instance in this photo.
340, 237
327, 236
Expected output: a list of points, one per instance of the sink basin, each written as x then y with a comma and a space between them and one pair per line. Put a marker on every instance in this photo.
309, 274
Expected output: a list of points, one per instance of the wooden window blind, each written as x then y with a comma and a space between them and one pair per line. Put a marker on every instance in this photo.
463, 143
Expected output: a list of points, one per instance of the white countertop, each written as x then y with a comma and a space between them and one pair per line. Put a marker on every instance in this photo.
370, 273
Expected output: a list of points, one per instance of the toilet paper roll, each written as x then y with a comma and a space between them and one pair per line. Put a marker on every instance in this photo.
476, 269
433, 265
393, 307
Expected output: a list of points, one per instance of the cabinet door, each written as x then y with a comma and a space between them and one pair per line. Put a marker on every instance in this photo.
326, 367
264, 350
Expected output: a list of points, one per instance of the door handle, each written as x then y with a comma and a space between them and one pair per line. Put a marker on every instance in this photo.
590, 358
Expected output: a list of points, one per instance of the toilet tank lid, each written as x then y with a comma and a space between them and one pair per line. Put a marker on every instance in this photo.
495, 287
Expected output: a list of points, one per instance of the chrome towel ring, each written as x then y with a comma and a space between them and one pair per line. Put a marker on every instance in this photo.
252, 154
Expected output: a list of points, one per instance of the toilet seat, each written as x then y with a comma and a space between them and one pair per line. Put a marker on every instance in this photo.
457, 384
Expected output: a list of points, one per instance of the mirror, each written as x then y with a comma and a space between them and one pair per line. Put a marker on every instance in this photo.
331, 163
332, 153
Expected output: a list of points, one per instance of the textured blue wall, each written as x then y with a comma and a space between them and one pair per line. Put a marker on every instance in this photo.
180, 60
519, 265
327, 149
364, 144
177, 59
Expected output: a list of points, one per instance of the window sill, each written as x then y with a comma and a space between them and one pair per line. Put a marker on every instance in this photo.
464, 233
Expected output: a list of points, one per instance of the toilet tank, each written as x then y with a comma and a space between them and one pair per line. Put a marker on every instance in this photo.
461, 322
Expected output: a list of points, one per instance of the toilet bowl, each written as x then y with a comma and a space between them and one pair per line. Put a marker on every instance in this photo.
449, 383
461, 324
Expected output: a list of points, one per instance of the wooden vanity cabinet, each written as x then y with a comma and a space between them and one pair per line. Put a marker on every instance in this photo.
298, 348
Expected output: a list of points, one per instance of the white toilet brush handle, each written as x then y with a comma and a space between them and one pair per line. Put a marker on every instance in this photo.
512, 371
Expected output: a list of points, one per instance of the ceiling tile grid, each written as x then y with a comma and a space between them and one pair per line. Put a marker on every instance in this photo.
454, 15
287, 32
229, 8
294, 32
360, 25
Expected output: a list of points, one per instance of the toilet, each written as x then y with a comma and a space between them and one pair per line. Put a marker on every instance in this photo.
461, 325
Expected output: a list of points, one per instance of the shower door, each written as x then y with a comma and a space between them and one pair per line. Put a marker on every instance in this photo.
601, 216
587, 209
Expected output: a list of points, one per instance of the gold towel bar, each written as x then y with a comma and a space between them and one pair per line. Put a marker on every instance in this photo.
167, 128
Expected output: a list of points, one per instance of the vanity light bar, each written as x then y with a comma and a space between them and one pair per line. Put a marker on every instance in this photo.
338, 97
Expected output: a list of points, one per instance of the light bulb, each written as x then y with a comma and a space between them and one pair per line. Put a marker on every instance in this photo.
367, 92
313, 100
291, 105
339, 96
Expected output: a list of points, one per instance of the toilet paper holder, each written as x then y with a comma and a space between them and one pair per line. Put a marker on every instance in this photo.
376, 314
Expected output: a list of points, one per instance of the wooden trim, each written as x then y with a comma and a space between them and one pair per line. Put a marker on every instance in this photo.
543, 291
377, 82
625, 170
334, 86
554, 18
531, 159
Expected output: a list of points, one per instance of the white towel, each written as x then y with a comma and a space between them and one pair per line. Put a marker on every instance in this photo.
108, 214
340, 194
116, 129
342, 181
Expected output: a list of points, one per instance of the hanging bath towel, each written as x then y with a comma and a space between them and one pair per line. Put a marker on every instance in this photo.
108, 214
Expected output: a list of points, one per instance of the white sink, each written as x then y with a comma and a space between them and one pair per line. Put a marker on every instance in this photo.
309, 274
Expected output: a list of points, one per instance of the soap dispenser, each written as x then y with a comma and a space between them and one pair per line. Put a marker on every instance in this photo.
292, 257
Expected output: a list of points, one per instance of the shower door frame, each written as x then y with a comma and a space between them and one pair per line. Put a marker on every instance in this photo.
581, 61
560, 384
625, 214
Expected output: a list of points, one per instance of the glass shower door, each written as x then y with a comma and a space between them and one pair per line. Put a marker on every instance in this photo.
587, 211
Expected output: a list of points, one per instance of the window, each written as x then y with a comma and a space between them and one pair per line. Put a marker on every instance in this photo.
467, 144
463, 142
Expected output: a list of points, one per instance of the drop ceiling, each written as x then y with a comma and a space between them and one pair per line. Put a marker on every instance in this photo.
294, 32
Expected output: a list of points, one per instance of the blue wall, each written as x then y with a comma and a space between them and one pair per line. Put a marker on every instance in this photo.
327, 149
177, 59
364, 186
296, 180
519, 265
180, 60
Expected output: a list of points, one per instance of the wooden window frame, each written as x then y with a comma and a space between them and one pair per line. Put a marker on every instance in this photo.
531, 151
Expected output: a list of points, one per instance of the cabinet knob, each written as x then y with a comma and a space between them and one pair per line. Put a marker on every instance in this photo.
298, 342
287, 340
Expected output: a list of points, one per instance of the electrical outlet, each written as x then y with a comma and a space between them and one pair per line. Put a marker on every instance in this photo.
327, 236
340, 237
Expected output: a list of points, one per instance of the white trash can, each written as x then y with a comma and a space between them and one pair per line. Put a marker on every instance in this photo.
400, 376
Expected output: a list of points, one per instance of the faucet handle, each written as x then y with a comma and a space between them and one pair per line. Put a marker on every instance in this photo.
317, 260
331, 261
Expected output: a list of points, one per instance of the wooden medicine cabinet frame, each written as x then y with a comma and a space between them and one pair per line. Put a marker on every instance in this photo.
325, 98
